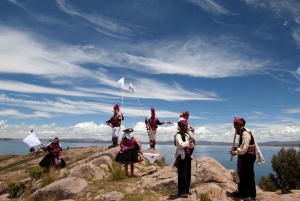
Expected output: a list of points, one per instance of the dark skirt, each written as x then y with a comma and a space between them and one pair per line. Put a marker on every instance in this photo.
129, 157
50, 161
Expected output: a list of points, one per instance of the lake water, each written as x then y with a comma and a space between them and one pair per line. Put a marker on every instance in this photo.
219, 153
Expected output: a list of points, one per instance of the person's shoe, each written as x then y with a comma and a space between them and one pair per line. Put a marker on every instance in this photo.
184, 195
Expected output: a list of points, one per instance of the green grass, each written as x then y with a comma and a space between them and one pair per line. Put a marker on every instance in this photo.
7, 157
12, 165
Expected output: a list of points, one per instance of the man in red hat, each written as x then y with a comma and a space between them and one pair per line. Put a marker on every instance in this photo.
246, 159
115, 122
151, 126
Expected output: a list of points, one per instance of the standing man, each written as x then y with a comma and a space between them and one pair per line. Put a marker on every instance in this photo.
185, 116
246, 159
151, 126
182, 141
115, 122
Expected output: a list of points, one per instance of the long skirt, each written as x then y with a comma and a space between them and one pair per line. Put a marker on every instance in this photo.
130, 156
52, 161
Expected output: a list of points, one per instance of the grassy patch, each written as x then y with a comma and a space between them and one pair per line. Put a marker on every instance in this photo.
20, 162
145, 196
7, 157
49, 177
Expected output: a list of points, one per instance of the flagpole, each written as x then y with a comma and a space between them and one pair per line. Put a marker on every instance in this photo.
145, 117
233, 145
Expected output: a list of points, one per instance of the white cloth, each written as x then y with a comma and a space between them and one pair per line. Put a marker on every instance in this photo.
259, 157
151, 157
127, 135
32, 140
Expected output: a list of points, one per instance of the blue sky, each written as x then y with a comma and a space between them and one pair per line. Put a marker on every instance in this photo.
61, 60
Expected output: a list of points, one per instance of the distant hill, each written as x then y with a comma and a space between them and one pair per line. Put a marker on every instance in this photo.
91, 140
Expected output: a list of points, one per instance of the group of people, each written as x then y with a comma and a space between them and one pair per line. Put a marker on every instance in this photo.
184, 142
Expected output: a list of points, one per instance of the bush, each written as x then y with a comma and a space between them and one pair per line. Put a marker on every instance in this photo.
205, 197
286, 164
31, 150
118, 172
36, 172
269, 183
16, 190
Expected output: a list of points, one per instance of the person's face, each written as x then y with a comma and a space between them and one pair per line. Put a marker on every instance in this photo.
184, 128
237, 126
186, 116
115, 112
152, 115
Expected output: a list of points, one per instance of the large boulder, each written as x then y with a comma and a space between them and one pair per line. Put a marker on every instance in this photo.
67, 188
3, 187
87, 171
103, 160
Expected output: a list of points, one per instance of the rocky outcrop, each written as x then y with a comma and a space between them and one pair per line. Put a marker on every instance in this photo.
87, 171
78, 180
3, 187
66, 188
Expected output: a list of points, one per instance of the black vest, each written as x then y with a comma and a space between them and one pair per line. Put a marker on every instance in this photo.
182, 137
241, 138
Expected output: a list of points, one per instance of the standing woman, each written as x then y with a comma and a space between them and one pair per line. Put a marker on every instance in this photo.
128, 153
115, 122
182, 142
54, 157
246, 159
185, 116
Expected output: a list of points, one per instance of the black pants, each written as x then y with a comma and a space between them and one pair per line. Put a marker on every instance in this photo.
184, 175
246, 186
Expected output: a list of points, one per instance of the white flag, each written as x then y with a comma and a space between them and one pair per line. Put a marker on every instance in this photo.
151, 157
131, 87
32, 140
120, 83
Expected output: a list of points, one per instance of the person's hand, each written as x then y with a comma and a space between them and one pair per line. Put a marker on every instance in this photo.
232, 152
234, 148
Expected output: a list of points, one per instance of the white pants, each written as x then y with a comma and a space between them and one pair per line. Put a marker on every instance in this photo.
115, 131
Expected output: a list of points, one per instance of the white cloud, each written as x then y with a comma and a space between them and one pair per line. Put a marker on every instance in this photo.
103, 25
16, 114
215, 132
210, 6
296, 36
292, 111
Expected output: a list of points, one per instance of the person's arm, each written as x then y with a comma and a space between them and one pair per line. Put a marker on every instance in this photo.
109, 121
158, 122
245, 144
181, 144
122, 116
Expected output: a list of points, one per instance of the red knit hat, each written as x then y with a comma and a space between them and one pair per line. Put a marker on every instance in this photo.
184, 113
152, 110
239, 121
116, 107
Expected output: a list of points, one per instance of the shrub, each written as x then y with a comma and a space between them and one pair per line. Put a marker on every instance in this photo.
269, 183
205, 197
286, 164
31, 150
49, 177
15, 190
36, 172
118, 172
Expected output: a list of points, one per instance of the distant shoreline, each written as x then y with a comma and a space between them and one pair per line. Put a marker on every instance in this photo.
75, 140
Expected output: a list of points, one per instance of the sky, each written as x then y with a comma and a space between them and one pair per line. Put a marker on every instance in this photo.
60, 62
